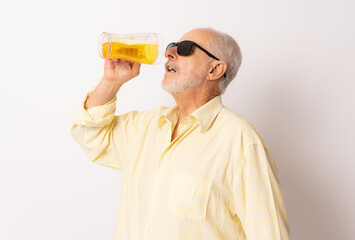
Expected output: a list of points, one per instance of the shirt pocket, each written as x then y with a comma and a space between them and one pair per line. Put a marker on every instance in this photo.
188, 196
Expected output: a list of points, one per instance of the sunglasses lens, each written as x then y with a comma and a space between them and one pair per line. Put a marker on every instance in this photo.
171, 45
184, 48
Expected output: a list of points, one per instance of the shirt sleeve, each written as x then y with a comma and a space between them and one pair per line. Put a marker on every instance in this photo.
103, 136
257, 198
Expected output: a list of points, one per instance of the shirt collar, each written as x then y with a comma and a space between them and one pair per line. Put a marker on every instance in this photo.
204, 115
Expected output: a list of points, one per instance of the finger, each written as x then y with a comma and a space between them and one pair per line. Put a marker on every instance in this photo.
135, 68
109, 64
123, 64
125, 61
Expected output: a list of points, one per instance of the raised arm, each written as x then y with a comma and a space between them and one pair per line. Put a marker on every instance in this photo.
104, 136
116, 73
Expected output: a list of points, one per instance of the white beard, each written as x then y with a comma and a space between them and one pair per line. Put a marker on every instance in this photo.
185, 82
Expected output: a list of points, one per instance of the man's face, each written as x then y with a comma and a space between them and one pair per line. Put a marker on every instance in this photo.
186, 72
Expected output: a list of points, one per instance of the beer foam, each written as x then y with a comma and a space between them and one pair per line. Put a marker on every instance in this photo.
132, 41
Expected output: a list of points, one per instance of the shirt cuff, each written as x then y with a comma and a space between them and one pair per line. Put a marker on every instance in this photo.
97, 116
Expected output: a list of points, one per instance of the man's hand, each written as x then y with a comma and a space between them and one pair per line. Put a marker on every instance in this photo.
116, 73
120, 71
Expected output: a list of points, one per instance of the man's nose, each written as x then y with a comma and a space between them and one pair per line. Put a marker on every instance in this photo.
171, 53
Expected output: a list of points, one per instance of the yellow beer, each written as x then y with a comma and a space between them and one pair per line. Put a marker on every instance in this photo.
143, 53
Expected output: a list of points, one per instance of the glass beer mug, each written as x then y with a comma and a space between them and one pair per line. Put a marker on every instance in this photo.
138, 47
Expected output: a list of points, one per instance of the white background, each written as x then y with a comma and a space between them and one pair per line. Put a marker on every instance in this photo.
295, 85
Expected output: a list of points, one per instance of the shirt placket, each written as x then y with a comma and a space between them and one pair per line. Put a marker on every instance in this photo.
154, 202
183, 128
156, 186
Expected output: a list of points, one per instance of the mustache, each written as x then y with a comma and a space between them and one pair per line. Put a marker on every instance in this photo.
171, 64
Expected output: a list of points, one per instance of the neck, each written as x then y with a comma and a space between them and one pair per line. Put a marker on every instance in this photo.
190, 100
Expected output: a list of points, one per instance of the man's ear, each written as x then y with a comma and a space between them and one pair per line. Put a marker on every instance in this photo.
216, 70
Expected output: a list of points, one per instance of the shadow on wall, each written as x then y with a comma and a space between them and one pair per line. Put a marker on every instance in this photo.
293, 127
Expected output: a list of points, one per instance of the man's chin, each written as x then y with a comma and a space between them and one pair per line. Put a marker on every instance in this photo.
179, 85
171, 87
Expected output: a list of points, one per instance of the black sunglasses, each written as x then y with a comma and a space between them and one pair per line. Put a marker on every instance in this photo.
184, 48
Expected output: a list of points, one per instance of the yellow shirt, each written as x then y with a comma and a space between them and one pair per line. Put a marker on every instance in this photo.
216, 180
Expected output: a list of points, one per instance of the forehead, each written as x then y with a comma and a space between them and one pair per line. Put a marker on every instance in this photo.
199, 36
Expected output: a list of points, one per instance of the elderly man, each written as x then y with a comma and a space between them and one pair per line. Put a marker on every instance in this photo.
194, 171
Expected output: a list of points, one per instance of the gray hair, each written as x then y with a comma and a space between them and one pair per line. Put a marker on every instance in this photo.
227, 49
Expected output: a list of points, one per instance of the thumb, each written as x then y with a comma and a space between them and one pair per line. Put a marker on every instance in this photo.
109, 65
136, 68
